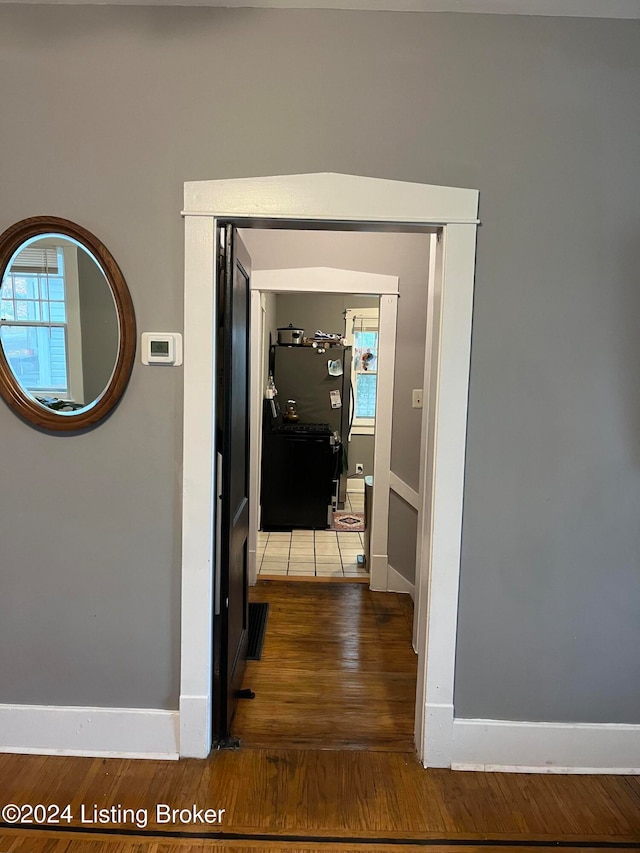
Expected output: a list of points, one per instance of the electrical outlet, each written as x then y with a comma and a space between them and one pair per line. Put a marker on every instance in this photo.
359, 468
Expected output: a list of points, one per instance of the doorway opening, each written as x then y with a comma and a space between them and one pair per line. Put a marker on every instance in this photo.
321, 296
312, 465
343, 322
337, 201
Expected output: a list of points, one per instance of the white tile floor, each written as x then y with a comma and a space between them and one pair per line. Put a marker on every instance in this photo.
320, 553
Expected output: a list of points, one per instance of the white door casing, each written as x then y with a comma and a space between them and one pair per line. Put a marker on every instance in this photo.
362, 204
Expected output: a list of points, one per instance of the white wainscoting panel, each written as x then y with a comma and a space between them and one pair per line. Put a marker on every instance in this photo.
404, 490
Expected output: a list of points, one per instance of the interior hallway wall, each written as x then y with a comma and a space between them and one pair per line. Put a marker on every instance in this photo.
403, 535
108, 110
321, 311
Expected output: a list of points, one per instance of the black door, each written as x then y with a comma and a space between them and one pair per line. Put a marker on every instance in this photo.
232, 442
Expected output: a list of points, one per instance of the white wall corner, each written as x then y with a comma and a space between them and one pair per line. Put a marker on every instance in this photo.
438, 735
530, 747
195, 726
398, 583
101, 732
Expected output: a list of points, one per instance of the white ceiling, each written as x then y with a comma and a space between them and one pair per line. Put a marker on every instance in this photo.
558, 8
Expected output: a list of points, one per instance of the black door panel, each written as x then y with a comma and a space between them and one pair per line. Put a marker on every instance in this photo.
230, 624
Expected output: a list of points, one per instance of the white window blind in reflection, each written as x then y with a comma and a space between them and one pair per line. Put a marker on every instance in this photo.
37, 259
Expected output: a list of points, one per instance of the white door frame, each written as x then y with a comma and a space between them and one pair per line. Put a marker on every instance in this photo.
361, 203
327, 280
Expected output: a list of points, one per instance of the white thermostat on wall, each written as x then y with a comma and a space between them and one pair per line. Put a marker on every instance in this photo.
162, 348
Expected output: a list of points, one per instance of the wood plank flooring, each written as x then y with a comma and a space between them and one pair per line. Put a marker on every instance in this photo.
337, 670
287, 797
327, 795
30, 843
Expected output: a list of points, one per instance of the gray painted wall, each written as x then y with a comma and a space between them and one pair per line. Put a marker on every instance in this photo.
100, 336
324, 311
361, 451
541, 115
403, 535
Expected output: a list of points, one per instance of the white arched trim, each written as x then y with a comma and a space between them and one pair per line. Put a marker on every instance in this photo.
336, 202
324, 280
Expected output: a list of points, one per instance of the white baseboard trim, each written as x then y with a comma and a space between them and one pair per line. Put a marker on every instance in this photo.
355, 484
195, 726
252, 566
526, 747
398, 583
378, 572
437, 735
405, 491
99, 732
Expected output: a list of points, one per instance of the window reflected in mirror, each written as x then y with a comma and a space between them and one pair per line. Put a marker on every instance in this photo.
58, 323
67, 329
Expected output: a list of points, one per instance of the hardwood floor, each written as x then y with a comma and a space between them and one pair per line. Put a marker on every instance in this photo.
321, 796
40, 844
292, 795
337, 670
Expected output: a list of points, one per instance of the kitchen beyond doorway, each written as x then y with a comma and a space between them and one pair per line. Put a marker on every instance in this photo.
299, 285
314, 554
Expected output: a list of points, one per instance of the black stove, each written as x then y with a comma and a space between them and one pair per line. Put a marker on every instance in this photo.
304, 429
295, 454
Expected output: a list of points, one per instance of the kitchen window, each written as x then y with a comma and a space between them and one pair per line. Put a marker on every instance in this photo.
361, 334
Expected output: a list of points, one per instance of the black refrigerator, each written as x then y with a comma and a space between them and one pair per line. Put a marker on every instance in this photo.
303, 374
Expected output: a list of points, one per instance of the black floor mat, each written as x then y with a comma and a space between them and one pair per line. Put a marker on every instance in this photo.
258, 613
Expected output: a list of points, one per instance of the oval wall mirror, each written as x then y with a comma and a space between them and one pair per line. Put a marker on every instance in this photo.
67, 325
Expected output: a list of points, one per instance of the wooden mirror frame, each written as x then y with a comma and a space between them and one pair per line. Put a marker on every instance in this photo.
12, 392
